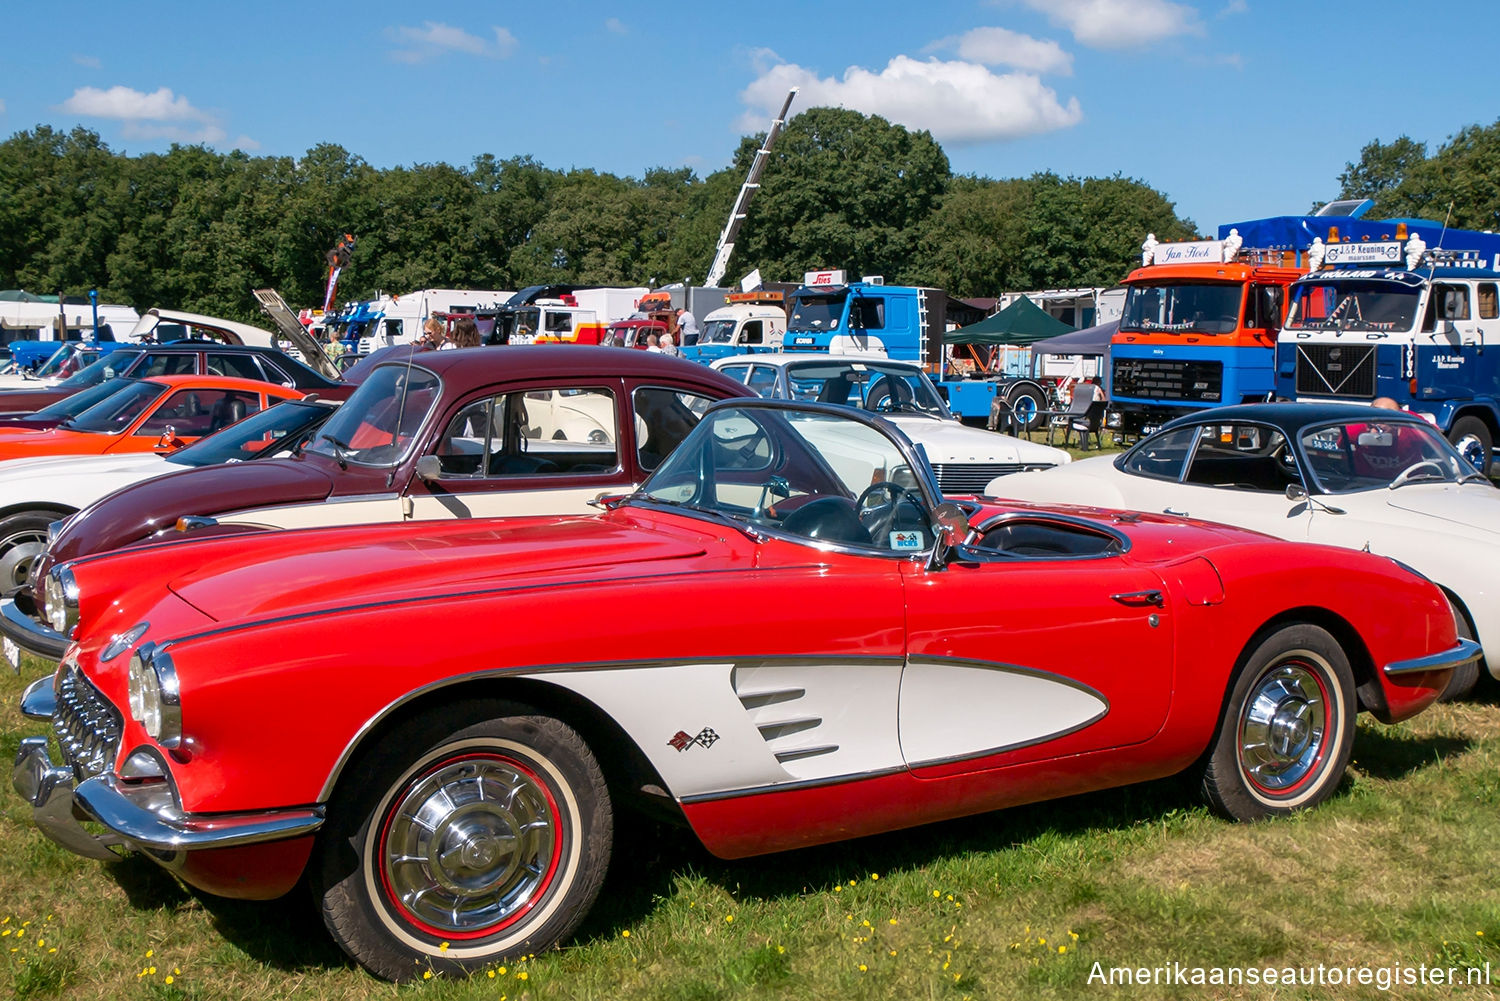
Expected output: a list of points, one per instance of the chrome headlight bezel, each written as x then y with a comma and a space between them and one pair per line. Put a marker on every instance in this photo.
62, 600
155, 696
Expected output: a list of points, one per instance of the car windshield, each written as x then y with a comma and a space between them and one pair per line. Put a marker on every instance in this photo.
819, 312
810, 474
717, 332
273, 431
1352, 305
71, 406
1371, 454
378, 424
113, 364
118, 411
877, 386
1182, 309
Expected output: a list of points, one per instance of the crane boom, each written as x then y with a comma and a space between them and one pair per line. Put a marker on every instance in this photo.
747, 191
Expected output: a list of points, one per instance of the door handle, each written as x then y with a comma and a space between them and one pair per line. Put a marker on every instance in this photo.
1140, 598
1173, 510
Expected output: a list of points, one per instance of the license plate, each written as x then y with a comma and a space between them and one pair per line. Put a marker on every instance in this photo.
12, 652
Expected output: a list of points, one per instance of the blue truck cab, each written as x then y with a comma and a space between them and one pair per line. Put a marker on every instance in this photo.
828, 313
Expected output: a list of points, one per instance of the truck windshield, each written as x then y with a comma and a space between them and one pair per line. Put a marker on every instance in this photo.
1352, 305
816, 313
1184, 309
717, 332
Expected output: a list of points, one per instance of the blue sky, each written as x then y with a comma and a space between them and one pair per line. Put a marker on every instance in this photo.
1234, 108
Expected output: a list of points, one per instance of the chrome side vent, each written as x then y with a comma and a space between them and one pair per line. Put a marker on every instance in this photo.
785, 728
798, 753
769, 697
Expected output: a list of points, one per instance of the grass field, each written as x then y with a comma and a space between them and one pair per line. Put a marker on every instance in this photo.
1397, 870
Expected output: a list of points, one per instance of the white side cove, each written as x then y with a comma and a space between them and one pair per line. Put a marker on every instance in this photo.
951, 711
721, 728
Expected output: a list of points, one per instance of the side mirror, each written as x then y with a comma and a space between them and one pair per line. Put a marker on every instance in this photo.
429, 468
1296, 492
169, 442
950, 526
608, 501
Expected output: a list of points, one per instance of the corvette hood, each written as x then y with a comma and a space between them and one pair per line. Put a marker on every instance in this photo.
428, 561
1475, 507
950, 441
130, 515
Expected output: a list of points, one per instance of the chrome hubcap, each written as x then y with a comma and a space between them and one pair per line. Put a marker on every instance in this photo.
1282, 728
17, 552
1472, 449
469, 846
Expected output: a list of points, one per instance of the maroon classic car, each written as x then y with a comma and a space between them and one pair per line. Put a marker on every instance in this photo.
521, 430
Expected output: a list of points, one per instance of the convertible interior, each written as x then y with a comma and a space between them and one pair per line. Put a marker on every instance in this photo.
1025, 535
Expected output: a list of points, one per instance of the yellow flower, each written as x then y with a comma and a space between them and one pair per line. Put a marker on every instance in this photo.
502, 971
850, 917
625, 933
893, 920
729, 919
1062, 949
523, 975
893, 952
169, 978
781, 948
836, 889
150, 953
874, 875
151, 970
1073, 935
1041, 941
52, 950
863, 967
442, 947
426, 974
492, 974
176, 971
5, 933
937, 893
866, 923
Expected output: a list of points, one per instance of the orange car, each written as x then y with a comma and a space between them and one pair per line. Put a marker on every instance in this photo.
163, 412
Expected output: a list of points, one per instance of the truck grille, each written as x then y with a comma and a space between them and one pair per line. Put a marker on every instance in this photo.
1168, 379
972, 477
1336, 370
88, 727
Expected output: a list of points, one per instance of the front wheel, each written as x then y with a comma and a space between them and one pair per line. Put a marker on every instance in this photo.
1471, 436
23, 538
472, 835
1287, 729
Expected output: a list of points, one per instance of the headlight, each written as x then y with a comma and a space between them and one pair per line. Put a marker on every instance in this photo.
154, 695
62, 600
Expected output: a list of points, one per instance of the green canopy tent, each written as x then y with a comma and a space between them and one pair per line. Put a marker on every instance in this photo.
1022, 322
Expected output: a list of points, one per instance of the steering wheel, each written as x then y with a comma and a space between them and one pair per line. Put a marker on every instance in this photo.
1411, 471
878, 516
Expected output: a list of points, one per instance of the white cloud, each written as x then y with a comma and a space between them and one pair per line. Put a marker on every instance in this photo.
434, 39
133, 105
245, 143
160, 114
2, 107
1003, 47
616, 27
958, 102
1120, 24
1234, 7
92, 62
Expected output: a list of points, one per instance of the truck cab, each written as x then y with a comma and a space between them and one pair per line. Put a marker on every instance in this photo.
1198, 331
828, 313
747, 322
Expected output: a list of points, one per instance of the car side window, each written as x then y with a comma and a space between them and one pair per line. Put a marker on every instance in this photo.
663, 417
538, 433
740, 373
752, 332
176, 363
1244, 457
237, 365
192, 413
763, 380
1162, 457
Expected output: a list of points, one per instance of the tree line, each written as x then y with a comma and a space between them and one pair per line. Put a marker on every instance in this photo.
1458, 184
196, 229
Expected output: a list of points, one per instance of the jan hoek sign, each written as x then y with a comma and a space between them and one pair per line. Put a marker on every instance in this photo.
1363, 253
1194, 252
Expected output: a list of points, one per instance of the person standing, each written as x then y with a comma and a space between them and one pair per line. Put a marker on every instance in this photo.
687, 326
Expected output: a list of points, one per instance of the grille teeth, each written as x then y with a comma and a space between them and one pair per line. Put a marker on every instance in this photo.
971, 477
88, 728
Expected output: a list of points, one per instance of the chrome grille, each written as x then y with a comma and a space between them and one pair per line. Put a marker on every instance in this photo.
87, 726
972, 477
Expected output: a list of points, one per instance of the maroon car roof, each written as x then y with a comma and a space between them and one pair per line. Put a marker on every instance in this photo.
468, 368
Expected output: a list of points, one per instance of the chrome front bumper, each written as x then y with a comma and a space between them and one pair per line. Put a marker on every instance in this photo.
29, 634
134, 818
1465, 651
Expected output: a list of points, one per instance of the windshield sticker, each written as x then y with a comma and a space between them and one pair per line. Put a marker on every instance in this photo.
907, 540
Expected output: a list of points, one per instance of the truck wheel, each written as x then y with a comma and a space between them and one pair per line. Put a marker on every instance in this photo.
1471, 436
1287, 728
23, 537
471, 834
1026, 406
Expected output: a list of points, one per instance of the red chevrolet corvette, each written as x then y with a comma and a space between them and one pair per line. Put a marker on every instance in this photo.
436, 721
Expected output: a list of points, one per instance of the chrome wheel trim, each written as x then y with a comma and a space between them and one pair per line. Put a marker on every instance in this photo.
18, 551
1284, 727
1024, 410
1472, 449
469, 846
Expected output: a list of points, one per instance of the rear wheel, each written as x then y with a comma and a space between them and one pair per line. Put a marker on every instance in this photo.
1471, 436
23, 538
472, 835
1026, 407
1287, 728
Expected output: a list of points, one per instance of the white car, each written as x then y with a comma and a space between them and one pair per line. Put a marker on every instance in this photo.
39, 491
1340, 474
964, 458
